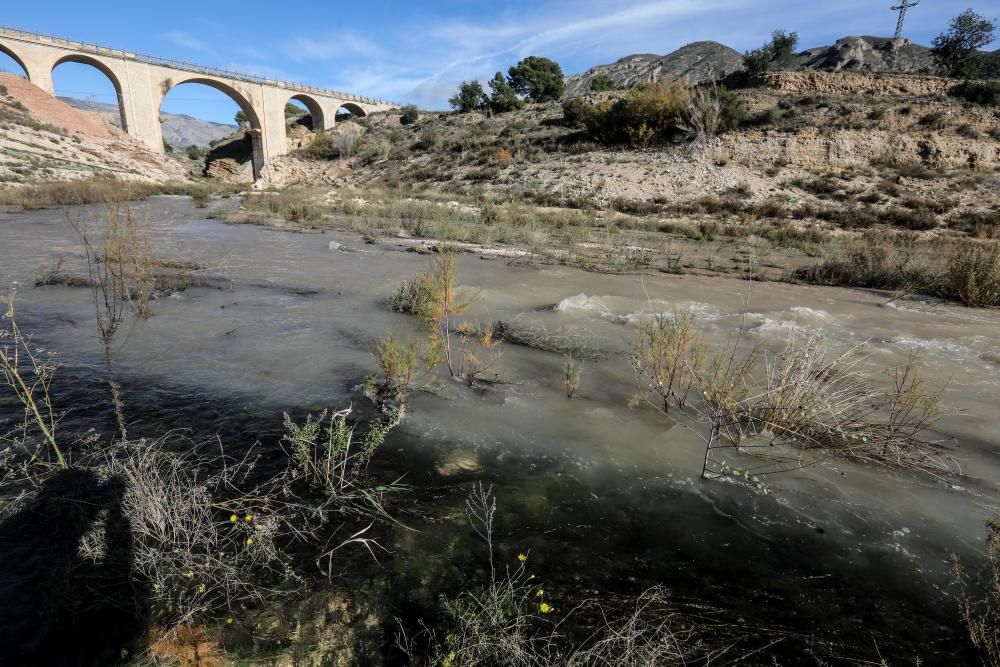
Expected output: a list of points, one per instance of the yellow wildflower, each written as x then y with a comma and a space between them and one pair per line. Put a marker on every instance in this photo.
249, 518
522, 557
249, 541
190, 573
229, 621
545, 608
234, 518
202, 589
540, 593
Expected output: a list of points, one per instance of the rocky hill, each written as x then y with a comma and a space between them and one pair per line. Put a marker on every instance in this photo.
179, 130
43, 139
699, 62
711, 61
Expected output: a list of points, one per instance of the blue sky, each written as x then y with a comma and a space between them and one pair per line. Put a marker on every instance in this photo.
418, 51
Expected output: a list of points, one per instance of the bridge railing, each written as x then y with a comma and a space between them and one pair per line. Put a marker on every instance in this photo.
24, 35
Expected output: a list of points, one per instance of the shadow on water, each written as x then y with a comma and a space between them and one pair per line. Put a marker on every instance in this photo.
59, 607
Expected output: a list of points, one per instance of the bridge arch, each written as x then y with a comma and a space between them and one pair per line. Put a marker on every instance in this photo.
315, 110
243, 100
353, 109
16, 58
102, 67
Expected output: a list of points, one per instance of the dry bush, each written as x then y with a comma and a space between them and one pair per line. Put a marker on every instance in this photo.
28, 373
973, 274
653, 633
982, 614
703, 114
479, 352
203, 553
667, 354
121, 278
511, 620
502, 623
535, 335
571, 376
402, 368
805, 396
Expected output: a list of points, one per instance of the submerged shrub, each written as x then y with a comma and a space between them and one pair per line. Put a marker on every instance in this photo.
413, 297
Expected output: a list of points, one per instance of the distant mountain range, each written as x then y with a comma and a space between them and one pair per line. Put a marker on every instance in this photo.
702, 62
178, 130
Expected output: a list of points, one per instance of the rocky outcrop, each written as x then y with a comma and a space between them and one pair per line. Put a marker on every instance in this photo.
699, 62
865, 54
710, 61
815, 149
851, 82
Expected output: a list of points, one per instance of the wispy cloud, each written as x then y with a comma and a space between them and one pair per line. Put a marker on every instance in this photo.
423, 58
186, 40
330, 46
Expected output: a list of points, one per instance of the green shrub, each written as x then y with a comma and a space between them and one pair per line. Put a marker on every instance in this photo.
409, 116
936, 120
647, 114
602, 83
978, 92
764, 118
578, 113
781, 47
413, 297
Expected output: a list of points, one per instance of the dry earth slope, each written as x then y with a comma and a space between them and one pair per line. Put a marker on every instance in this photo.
44, 139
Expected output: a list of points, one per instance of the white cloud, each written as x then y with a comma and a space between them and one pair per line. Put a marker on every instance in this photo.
186, 40
330, 46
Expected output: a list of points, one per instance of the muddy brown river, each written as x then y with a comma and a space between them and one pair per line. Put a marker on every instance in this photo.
606, 497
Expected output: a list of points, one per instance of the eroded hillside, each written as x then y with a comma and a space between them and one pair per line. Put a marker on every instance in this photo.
44, 140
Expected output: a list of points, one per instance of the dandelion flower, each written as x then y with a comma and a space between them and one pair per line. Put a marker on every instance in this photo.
522, 557
234, 519
545, 608
249, 518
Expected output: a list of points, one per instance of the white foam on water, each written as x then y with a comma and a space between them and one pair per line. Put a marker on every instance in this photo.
580, 302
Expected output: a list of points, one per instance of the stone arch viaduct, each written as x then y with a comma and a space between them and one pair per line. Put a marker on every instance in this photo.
142, 82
